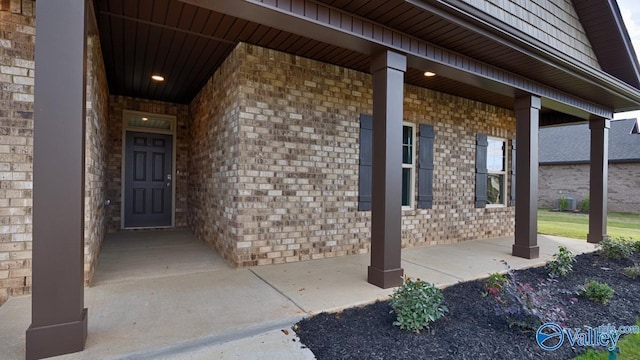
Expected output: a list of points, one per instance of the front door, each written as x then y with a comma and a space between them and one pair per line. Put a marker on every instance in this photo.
148, 180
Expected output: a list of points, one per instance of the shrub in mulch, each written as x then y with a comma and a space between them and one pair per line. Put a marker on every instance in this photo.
473, 329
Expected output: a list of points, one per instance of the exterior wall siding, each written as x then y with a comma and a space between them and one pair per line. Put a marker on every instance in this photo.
572, 181
117, 105
294, 184
553, 22
17, 50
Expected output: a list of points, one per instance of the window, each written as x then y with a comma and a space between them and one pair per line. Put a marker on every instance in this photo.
408, 164
411, 162
496, 171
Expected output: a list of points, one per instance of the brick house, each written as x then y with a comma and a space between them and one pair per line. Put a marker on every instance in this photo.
564, 165
270, 126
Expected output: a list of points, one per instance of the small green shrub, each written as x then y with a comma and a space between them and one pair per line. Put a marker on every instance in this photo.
616, 248
584, 205
417, 304
494, 284
562, 262
563, 203
596, 291
632, 272
635, 244
527, 307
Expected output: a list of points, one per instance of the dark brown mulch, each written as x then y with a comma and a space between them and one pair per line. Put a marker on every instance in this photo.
471, 329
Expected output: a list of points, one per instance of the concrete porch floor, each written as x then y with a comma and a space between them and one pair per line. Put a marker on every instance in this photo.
166, 295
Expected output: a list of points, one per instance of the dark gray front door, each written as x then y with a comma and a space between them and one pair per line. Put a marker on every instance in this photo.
148, 180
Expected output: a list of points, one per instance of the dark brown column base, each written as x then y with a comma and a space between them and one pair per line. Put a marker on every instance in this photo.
596, 238
385, 278
59, 339
527, 252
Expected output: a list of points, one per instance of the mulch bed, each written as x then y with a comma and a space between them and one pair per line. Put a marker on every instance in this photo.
471, 329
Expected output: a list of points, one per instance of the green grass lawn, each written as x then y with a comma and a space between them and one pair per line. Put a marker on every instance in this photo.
576, 226
629, 349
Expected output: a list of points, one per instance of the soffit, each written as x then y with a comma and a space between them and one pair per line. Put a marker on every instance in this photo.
529, 57
187, 44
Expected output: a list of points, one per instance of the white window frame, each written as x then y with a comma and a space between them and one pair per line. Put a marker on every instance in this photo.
503, 173
412, 166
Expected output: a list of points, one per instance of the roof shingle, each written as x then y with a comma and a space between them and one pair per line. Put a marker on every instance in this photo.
570, 143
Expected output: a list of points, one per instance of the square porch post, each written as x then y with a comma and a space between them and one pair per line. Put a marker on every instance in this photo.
527, 124
59, 319
386, 204
598, 179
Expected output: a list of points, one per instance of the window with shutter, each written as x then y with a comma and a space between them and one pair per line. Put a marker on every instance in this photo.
408, 164
496, 172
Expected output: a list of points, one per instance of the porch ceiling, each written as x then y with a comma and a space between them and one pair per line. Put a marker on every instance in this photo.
186, 44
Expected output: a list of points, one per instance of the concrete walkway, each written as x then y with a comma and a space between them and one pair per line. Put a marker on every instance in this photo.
165, 295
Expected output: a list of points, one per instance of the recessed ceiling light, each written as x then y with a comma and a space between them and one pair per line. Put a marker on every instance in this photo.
157, 77
429, 73
145, 119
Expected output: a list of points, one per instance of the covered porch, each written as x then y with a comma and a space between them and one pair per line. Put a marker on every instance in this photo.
164, 294
217, 58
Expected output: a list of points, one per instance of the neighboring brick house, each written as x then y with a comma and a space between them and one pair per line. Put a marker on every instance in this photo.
564, 165
286, 130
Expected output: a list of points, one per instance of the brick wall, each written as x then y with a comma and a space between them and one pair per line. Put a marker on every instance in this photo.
573, 181
285, 152
97, 112
215, 148
456, 122
17, 49
117, 105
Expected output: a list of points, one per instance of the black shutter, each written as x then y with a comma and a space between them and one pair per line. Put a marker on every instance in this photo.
366, 159
513, 172
481, 170
425, 167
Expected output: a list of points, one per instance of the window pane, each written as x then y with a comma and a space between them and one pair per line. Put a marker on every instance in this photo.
407, 144
149, 122
406, 187
406, 154
495, 155
495, 188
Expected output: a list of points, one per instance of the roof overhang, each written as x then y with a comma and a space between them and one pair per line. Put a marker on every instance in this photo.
480, 59
608, 35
